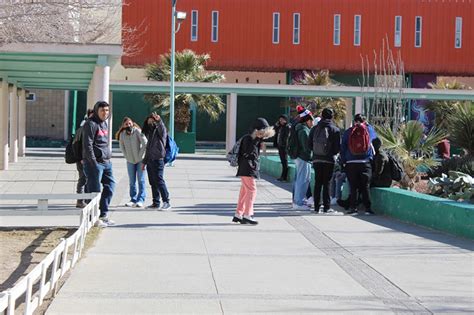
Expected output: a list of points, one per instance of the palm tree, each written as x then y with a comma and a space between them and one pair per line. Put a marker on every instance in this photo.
443, 108
322, 78
190, 67
412, 147
461, 127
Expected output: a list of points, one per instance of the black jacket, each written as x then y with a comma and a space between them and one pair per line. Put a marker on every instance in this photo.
282, 136
95, 139
249, 157
382, 174
156, 146
334, 141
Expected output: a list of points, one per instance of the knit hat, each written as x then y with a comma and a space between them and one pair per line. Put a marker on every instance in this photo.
260, 124
305, 116
327, 113
300, 109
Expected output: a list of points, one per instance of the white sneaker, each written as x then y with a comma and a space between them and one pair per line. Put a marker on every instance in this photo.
309, 202
139, 205
301, 208
166, 206
106, 220
333, 201
130, 204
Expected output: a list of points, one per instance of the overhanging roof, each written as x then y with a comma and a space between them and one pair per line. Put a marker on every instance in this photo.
286, 90
54, 66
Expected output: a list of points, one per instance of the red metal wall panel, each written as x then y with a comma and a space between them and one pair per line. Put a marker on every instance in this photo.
245, 33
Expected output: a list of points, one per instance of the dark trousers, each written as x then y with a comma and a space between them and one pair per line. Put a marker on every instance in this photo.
284, 163
156, 169
322, 177
81, 181
359, 175
101, 173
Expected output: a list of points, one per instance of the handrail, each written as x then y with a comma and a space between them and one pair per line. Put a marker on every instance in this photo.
54, 266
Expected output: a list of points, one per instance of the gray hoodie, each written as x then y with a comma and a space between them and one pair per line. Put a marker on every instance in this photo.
133, 145
95, 139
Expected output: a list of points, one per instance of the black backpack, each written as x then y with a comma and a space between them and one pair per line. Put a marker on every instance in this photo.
292, 146
74, 148
321, 144
396, 170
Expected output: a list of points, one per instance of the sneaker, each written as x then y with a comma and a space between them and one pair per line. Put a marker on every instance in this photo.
369, 212
130, 204
333, 201
154, 206
310, 202
101, 224
236, 219
166, 206
107, 220
80, 204
301, 208
352, 211
139, 205
249, 220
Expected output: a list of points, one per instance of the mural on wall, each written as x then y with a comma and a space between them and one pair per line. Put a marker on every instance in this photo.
418, 110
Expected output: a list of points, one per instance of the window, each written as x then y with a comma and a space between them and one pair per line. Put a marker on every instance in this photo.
458, 35
357, 21
276, 28
398, 31
337, 30
194, 26
296, 28
215, 26
418, 26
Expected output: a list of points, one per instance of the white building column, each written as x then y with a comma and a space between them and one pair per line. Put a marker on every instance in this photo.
4, 104
13, 124
231, 121
101, 83
349, 113
359, 105
22, 122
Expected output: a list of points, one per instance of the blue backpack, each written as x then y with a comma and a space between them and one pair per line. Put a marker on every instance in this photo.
172, 150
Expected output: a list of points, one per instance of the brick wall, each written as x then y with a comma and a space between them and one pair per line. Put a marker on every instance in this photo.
45, 115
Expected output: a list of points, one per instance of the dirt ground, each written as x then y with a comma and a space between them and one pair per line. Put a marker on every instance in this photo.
22, 249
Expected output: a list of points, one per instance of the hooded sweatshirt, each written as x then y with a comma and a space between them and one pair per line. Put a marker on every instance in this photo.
348, 157
133, 145
156, 146
95, 139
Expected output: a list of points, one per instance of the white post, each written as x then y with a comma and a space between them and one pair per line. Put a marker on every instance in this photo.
101, 83
22, 122
66, 115
359, 105
231, 121
4, 98
349, 113
111, 134
13, 124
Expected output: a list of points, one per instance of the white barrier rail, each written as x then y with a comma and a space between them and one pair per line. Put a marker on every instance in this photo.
46, 275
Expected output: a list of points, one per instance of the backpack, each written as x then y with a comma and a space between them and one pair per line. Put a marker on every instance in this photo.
396, 171
74, 148
233, 155
171, 150
359, 139
292, 146
321, 145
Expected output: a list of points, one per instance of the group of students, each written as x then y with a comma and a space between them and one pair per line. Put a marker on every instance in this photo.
354, 155
144, 150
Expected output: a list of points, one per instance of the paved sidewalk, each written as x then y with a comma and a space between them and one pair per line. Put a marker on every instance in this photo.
193, 260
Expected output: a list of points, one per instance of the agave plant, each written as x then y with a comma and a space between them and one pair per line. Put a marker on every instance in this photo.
457, 186
412, 147
190, 67
322, 78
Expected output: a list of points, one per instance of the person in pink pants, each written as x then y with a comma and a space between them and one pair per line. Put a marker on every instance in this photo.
248, 169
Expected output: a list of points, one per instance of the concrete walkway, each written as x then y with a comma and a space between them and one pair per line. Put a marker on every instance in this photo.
193, 260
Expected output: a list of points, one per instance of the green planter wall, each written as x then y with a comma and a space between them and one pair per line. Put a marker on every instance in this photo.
186, 141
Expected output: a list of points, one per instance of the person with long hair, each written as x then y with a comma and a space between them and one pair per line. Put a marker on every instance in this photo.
155, 131
248, 170
133, 145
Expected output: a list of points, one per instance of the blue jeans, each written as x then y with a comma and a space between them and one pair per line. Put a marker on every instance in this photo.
97, 174
337, 181
135, 173
156, 170
302, 181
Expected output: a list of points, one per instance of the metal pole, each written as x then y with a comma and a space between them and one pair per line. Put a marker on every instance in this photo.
173, 34
74, 110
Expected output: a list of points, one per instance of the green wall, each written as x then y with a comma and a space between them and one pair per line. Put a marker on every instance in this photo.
131, 105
